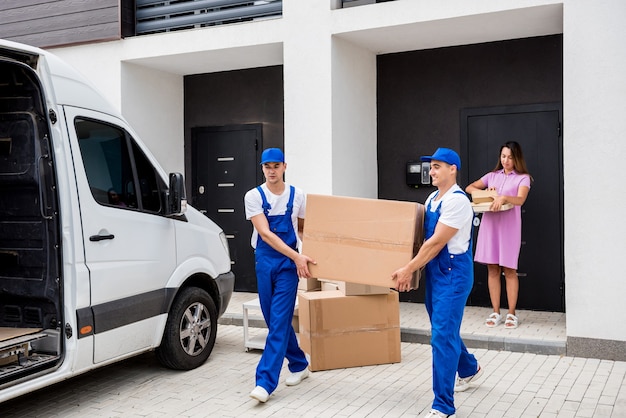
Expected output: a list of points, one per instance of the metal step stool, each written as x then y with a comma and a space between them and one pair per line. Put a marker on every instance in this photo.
258, 341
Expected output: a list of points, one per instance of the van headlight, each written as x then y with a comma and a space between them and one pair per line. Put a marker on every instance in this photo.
225, 243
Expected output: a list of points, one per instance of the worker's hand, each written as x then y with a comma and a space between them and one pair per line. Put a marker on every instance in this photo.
302, 264
403, 277
497, 203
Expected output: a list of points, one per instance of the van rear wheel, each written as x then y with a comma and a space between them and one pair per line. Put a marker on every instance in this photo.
190, 330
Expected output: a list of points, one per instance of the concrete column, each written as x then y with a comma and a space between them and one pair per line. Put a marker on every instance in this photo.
355, 166
594, 97
153, 104
330, 106
307, 87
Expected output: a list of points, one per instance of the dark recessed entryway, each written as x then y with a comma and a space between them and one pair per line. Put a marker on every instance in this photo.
421, 99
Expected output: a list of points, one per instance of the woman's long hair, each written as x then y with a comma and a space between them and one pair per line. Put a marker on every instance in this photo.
518, 158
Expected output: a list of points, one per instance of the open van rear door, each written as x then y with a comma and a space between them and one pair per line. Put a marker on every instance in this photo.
31, 276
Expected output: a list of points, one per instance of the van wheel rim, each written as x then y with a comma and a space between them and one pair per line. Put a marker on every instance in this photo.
195, 326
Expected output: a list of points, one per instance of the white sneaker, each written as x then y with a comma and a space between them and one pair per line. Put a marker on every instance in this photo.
437, 414
462, 384
297, 377
260, 394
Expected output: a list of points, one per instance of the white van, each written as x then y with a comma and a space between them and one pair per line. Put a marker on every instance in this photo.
99, 260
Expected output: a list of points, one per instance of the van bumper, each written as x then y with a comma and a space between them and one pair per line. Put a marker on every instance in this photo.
225, 285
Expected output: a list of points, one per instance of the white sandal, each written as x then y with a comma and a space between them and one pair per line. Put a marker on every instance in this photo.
511, 321
493, 320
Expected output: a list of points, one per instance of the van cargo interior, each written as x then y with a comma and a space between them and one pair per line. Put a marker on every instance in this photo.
31, 322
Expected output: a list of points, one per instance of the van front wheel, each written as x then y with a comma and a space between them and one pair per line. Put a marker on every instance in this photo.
190, 330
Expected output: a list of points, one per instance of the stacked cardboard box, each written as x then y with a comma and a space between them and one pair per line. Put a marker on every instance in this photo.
340, 331
357, 243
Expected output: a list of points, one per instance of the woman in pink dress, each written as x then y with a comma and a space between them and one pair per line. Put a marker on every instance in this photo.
500, 233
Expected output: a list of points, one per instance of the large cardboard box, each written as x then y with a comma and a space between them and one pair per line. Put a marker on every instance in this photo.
360, 240
338, 331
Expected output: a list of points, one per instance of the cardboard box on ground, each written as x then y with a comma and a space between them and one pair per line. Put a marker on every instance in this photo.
357, 244
339, 331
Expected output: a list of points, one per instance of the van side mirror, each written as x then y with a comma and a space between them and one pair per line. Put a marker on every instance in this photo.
176, 196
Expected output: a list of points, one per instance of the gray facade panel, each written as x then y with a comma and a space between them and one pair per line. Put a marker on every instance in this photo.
53, 23
68, 36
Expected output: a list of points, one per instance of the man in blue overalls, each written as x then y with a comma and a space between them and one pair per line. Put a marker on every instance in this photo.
446, 255
277, 213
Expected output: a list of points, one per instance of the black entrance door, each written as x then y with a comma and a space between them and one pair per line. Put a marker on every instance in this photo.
537, 129
224, 167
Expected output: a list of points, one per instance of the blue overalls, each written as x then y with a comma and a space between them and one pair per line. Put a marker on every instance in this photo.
449, 280
277, 281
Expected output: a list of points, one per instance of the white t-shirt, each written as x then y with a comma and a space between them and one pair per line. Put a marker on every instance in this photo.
456, 212
254, 206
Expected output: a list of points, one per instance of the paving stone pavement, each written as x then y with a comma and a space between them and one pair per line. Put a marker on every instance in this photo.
515, 384
538, 332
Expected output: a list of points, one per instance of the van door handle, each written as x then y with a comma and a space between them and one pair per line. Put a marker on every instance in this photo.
101, 237
41, 190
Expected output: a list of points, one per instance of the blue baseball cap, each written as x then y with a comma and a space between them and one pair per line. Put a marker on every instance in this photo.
272, 155
446, 155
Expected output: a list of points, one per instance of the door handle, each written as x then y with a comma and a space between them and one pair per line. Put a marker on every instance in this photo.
96, 238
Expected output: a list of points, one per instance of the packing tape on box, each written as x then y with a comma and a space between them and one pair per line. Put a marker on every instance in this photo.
352, 241
337, 332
